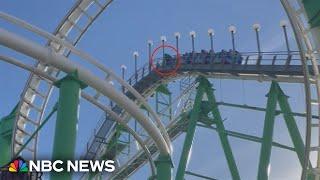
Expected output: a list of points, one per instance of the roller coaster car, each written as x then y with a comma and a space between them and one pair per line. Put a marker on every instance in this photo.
205, 57
168, 60
228, 57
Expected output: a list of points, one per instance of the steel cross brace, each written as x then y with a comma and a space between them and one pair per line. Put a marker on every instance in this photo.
277, 95
205, 87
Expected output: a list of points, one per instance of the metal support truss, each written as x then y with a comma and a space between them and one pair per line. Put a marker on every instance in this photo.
266, 145
277, 95
163, 102
199, 111
6, 125
93, 101
67, 120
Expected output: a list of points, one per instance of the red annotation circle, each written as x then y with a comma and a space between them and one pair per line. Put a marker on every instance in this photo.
167, 72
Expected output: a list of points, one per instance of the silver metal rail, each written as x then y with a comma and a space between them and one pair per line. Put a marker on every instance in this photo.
304, 37
93, 101
40, 89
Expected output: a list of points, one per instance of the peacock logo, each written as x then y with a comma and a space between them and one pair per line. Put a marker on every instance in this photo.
18, 166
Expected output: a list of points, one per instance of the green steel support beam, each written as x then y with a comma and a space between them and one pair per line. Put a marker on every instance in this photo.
54, 109
221, 131
265, 152
164, 167
312, 8
66, 124
5, 144
254, 108
248, 137
196, 113
163, 101
200, 176
194, 116
291, 125
6, 127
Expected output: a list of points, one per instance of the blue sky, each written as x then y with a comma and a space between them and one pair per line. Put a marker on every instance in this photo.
126, 26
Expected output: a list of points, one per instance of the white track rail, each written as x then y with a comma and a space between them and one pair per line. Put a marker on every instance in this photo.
308, 44
70, 24
30, 116
93, 101
59, 45
60, 62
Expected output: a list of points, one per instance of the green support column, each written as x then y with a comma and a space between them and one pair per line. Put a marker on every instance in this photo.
163, 102
6, 126
292, 127
222, 133
266, 145
190, 133
66, 124
196, 113
4, 150
164, 167
312, 8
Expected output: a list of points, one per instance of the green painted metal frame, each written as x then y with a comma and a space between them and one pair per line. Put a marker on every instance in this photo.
205, 87
277, 95
312, 8
163, 99
265, 153
54, 109
222, 132
6, 126
194, 116
67, 120
199, 175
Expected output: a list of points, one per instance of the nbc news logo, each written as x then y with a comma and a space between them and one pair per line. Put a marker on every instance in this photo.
18, 169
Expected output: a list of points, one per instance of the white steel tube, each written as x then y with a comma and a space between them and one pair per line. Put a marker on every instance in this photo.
91, 60
47, 56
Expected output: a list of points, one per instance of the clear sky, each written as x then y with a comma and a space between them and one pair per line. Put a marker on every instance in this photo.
126, 26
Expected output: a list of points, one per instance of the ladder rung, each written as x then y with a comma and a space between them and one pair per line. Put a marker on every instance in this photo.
75, 25
315, 171
97, 2
85, 13
315, 125
27, 148
65, 37
28, 119
314, 102
42, 78
37, 92
23, 131
32, 105
316, 148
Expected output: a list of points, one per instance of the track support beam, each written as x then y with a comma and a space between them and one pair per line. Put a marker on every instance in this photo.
6, 126
222, 132
194, 116
198, 111
164, 167
265, 153
67, 120
277, 95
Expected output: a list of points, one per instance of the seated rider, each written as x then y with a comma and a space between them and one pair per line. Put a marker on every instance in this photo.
168, 60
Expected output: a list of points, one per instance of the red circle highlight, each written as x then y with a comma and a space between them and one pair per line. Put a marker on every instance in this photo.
165, 73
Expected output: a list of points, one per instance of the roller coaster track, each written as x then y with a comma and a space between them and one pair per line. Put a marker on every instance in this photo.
308, 44
265, 68
37, 90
